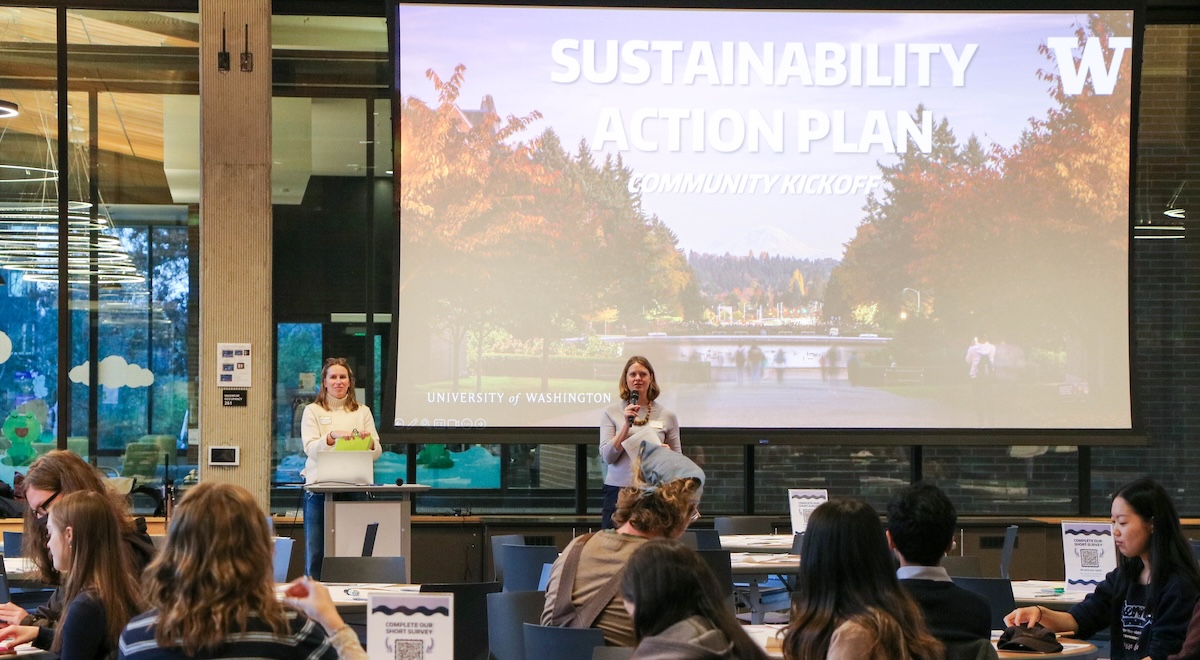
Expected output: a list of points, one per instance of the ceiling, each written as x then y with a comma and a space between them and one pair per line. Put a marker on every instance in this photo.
143, 71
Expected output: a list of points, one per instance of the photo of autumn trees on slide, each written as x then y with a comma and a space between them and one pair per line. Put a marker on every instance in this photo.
529, 268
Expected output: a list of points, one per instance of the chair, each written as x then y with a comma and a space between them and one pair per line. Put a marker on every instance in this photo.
974, 649
551, 642
962, 566
996, 591
701, 539
718, 561
726, 525
470, 611
506, 611
797, 542
1006, 553
12, 544
544, 580
498, 542
283, 557
523, 565
382, 570
612, 653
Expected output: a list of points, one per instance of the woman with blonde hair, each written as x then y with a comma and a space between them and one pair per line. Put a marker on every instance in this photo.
584, 590
49, 479
849, 604
100, 595
336, 416
213, 593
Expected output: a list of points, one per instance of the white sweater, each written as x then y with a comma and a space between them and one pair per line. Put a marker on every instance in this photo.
318, 422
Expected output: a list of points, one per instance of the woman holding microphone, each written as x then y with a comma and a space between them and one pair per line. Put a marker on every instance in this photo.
634, 416
335, 415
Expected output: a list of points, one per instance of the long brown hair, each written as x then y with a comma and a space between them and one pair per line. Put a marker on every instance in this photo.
63, 472
98, 561
847, 575
323, 395
214, 572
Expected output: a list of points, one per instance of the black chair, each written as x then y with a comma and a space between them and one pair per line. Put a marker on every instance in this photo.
1006, 553
996, 591
498, 542
797, 541
383, 570
553, 643
612, 653
701, 539
975, 649
718, 561
470, 610
523, 565
12, 544
962, 566
743, 525
506, 612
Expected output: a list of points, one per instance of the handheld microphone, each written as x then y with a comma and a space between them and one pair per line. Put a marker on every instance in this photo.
633, 401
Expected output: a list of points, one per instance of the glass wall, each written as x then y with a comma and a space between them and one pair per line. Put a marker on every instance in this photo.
133, 190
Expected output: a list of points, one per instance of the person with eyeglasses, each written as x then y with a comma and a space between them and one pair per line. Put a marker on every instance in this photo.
50, 478
584, 590
336, 416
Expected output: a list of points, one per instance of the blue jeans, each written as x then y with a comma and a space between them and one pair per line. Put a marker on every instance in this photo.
314, 533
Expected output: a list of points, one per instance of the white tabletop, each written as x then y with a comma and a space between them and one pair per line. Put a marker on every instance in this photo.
1052, 594
758, 563
757, 542
353, 596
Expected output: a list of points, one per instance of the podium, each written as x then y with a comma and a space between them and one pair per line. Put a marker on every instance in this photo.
346, 520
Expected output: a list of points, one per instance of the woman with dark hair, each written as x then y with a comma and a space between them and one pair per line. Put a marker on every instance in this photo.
49, 479
1147, 601
849, 604
677, 609
336, 416
584, 590
85, 545
623, 422
212, 590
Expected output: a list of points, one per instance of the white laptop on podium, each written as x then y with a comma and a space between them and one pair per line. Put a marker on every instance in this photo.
345, 468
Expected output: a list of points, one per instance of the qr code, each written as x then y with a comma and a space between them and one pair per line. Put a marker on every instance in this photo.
410, 649
1089, 558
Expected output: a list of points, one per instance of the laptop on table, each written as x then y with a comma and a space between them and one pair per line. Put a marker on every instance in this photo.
347, 468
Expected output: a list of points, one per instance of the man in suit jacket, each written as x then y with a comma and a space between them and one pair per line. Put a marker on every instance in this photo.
920, 531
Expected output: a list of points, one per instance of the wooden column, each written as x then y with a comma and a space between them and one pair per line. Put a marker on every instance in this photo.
235, 233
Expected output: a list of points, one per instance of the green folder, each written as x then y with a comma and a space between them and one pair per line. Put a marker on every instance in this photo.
353, 443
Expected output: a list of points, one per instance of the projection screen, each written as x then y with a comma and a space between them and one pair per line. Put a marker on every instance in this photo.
804, 219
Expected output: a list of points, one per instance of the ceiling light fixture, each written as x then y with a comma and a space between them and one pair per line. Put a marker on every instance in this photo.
8, 109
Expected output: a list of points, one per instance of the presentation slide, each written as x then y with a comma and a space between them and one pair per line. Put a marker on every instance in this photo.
803, 219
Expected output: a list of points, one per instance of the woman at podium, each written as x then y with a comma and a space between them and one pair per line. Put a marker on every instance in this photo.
336, 417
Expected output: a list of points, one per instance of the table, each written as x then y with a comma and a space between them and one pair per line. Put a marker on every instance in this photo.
352, 597
757, 542
394, 538
769, 638
1051, 594
756, 567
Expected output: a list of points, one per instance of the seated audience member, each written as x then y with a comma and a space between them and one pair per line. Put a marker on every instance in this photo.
1146, 602
49, 478
677, 608
584, 590
212, 590
920, 531
100, 594
849, 604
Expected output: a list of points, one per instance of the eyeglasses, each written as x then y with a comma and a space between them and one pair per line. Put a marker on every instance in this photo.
42, 510
695, 514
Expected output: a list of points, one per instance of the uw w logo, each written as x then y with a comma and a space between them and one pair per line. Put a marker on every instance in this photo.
1091, 64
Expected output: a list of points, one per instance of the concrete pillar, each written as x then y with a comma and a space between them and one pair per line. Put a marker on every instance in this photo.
235, 234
